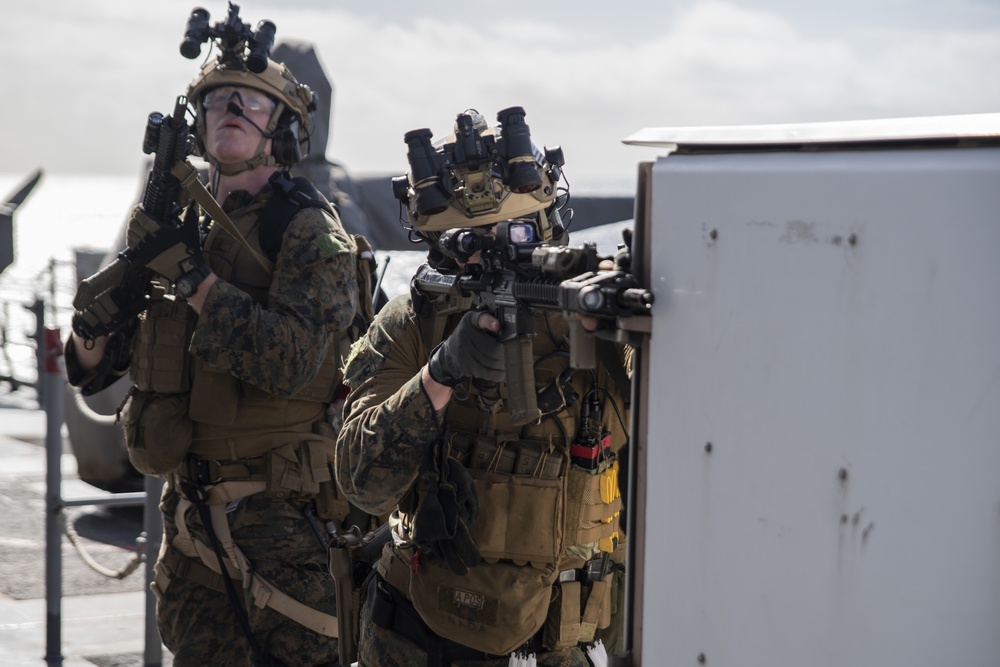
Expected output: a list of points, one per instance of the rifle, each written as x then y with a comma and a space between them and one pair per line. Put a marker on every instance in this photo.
514, 278
109, 299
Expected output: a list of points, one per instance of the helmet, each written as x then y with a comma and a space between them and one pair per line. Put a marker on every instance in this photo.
289, 124
478, 176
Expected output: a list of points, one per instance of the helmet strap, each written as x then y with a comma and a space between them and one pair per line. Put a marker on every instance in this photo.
259, 158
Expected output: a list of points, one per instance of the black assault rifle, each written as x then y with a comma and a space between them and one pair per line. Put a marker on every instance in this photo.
109, 299
514, 278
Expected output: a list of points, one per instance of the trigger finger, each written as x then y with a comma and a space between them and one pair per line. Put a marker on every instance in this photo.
488, 323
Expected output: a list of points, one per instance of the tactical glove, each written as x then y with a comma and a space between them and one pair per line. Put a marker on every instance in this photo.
173, 252
469, 352
99, 318
442, 523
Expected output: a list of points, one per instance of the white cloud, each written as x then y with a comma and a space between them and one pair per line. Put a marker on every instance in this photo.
98, 69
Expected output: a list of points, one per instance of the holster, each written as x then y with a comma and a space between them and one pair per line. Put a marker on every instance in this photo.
350, 560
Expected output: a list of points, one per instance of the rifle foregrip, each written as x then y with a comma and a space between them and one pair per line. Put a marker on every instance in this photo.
521, 381
92, 287
582, 346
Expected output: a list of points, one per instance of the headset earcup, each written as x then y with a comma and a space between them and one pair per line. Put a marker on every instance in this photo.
285, 147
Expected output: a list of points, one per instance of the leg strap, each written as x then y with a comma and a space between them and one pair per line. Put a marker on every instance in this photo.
183, 556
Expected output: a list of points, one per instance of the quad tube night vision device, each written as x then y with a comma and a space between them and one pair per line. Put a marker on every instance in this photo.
477, 168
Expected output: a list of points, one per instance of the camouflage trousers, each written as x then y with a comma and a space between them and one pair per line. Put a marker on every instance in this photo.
382, 647
198, 624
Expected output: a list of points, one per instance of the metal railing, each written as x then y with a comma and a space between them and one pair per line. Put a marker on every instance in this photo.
51, 373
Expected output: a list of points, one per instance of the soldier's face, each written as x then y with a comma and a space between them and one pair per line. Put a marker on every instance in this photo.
232, 138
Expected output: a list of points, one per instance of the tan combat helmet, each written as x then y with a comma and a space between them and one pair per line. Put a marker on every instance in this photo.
244, 61
479, 175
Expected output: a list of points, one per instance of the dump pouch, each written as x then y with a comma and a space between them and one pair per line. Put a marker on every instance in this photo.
157, 430
494, 608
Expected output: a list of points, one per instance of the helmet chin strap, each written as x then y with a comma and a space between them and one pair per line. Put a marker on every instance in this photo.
260, 158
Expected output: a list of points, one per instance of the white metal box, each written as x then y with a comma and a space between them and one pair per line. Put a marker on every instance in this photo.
820, 444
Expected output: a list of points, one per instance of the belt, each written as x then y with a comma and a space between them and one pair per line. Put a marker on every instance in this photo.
208, 471
392, 611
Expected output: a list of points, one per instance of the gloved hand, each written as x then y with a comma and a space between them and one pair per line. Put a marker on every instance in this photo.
469, 352
101, 317
442, 522
173, 252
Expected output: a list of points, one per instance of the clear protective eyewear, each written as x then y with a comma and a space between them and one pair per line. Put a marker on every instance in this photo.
248, 99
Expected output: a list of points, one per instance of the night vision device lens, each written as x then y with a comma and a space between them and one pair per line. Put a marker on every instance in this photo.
426, 166
516, 149
260, 47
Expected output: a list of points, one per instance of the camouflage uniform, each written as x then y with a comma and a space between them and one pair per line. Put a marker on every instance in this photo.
390, 424
264, 338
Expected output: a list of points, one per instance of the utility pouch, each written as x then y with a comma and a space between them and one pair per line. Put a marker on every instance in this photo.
157, 430
160, 358
562, 627
296, 470
597, 611
494, 608
520, 518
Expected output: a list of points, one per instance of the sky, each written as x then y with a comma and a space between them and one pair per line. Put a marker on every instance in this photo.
587, 73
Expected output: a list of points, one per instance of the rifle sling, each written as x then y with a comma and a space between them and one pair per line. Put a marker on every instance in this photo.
188, 176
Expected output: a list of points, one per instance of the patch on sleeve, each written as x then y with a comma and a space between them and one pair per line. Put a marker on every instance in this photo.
329, 245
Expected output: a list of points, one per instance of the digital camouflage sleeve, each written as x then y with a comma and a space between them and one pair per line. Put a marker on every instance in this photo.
313, 294
389, 420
